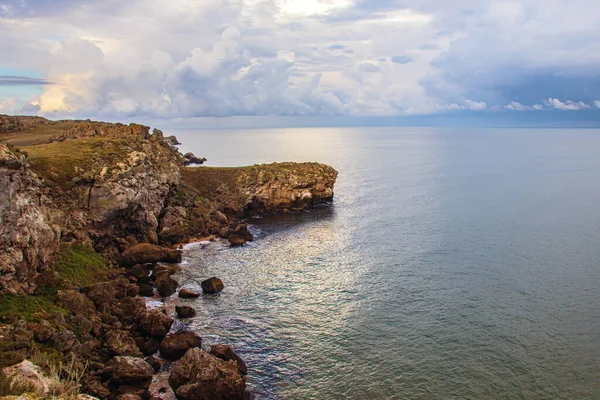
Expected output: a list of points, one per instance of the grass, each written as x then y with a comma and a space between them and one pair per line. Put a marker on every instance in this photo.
81, 265
29, 308
61, 162
77, 264
37, 134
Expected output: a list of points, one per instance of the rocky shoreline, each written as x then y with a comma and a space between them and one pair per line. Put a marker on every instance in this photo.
94, 215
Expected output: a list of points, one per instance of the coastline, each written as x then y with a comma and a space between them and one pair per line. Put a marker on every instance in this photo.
104, 328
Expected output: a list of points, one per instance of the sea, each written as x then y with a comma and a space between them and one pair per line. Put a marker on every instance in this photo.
452, 264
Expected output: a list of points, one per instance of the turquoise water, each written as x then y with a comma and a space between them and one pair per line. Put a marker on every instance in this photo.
452, 264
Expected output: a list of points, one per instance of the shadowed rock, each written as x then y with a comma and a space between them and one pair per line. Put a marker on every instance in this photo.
185, 311
188, 294
212, 285
175, 345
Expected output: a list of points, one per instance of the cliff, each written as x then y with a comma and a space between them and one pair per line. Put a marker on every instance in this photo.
112, 186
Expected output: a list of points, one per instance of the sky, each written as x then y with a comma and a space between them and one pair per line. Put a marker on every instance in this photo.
301, 60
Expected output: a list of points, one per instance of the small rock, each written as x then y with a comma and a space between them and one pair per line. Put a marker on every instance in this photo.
226, 353
166, 285
64, 341
185, 311
43, 331
146, 289
212, 285
188, 294
149, 346
154, 363
174, 346
236, 240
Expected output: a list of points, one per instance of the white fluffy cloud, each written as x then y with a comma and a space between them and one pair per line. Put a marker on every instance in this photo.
181, 59
567, 105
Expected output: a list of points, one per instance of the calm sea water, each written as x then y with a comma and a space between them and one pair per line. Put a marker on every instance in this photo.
453, 264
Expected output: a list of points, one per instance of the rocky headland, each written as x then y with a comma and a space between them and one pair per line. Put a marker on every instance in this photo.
92, 217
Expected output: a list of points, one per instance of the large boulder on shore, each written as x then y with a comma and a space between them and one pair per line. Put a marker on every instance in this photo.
175, 346
226, 353
155, 323
148, 253
131, 371
212, 285
201, 376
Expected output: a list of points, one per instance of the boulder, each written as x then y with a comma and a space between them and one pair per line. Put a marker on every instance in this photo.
226, 353
236, 240
155, 323
212, 285
185, 311
165, 285
243, 231
129, 309
188, 294
28, 375
175, 345
201, 376
121, 343
75, 302
139, 271
148, 253
132, 371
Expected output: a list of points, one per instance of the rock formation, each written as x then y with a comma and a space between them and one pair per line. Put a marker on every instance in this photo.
88, 211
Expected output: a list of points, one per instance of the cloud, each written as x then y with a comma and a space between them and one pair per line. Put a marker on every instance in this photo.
597, 103
181, 59
368, 67
22, 81
404, 59
567, 105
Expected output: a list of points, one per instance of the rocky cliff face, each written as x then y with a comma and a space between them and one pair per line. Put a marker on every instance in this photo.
27, 241
113, 186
